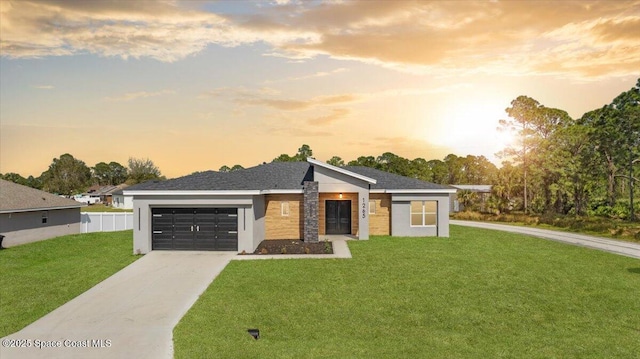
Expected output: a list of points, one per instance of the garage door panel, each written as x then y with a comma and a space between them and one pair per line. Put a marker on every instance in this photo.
183, 242
205, 244
227, 244
206, 230
195, 228
183, 228
232, 211
183, 218
159, 244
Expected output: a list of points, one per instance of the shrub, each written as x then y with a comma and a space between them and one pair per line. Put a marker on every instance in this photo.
327, 246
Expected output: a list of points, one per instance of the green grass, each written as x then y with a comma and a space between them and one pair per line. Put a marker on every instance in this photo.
98, 207
37, 278
478, 294
595, 226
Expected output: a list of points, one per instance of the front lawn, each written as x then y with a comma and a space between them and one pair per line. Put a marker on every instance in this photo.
478, 294
37, 278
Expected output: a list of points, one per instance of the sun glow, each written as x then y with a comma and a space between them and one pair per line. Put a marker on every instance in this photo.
471, 127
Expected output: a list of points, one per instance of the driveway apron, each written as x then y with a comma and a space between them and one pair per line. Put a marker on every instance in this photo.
129, 315
608, 245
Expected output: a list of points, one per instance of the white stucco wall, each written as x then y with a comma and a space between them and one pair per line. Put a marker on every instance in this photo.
121, 201
401, 215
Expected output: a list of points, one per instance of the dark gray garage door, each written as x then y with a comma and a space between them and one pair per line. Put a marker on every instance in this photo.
209, 229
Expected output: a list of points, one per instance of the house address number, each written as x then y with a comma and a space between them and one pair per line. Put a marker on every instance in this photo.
364, 208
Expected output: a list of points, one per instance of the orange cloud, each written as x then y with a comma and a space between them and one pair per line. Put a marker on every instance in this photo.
336, 114
490, 37
130, 96
580, 39
265, 97
163, 30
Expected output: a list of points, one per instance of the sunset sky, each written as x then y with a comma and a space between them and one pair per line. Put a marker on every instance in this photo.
194, 85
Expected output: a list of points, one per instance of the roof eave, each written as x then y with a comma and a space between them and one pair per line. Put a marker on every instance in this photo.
282, 191
426, 191
191, 193
5, 211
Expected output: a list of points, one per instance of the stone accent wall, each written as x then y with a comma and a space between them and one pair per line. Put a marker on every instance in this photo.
380, 222
278, 226
310, 212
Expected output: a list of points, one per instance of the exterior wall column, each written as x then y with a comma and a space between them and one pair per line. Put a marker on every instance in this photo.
363, 214
311, 217
141, 228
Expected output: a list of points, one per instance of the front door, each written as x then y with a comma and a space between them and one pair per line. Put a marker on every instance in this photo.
338, 217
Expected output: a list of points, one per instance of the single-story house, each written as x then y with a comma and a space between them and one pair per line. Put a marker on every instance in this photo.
29, 215
237, 210
119, 200
104, 194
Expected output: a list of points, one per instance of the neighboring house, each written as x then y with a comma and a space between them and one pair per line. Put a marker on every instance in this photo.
103, 194
237, 210
119, 200
482, 191
30, 215
86, 199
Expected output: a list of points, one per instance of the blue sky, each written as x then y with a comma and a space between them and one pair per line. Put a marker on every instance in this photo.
194, 85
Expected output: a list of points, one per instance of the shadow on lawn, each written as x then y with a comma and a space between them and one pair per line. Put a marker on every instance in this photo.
634, 270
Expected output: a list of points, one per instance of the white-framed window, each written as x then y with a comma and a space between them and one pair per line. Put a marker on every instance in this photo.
284, 209
372, 206
45, 217
424, 213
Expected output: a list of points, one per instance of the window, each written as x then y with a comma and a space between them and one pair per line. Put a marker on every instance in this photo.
284, 209
372, 206
45, 217
424, 213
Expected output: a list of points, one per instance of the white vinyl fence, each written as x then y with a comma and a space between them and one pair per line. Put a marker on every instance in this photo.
105, 221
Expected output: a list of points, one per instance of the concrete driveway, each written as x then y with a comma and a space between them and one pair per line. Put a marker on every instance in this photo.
129, 315
609, 245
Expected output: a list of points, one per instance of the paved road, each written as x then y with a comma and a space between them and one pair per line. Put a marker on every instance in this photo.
130, 314
609, 245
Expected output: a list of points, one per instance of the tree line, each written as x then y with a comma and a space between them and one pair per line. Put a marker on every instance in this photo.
557, 165
562, 165
67, 175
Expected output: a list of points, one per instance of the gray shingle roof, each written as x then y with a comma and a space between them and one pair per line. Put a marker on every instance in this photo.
386, 180
274, 176
18, 198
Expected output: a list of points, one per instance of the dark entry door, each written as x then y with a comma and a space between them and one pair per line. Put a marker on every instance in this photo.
195, 229
338, 217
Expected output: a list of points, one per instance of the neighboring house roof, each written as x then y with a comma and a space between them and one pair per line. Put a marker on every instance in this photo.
280, 176
118, 190
18, 198
102, 190
483, 188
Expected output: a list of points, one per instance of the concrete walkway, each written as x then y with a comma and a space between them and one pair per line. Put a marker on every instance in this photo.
609, 245
129, 315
